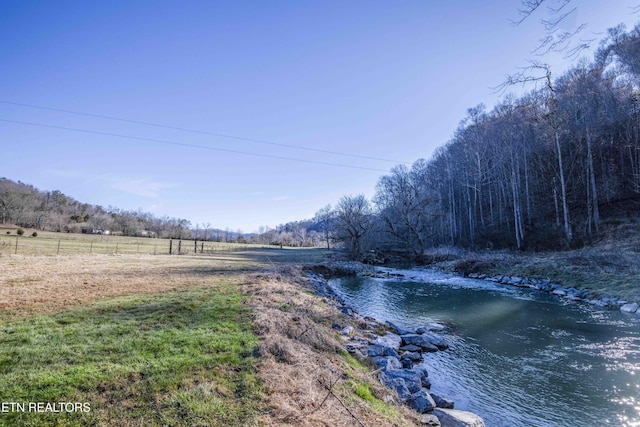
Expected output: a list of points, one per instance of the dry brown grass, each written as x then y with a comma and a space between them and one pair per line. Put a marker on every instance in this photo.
46, 284
307, 379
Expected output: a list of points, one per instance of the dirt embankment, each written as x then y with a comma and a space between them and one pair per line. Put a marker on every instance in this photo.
309, 379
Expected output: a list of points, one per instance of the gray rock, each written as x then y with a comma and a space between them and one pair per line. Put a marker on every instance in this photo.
410, 347
387, 363
421, 402
347, 330
390, 352
411, 379
629, 308
399, 329
419, 341
436, 340
430, 420
456, 418
426, 341
390, 340
400, 387
442, 402
407, 364
516, 281
422, 372
411, 355
375, 350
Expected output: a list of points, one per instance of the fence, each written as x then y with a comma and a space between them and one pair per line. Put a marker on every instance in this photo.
54, 244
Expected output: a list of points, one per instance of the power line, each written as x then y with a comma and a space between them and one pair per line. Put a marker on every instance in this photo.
182, 144
259, 141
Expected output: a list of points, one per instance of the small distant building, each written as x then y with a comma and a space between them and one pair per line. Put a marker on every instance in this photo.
91, 230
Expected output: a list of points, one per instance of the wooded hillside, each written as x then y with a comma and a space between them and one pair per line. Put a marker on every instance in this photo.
26, 206
538, 172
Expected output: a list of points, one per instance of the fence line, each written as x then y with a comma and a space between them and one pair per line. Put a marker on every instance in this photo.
27, 245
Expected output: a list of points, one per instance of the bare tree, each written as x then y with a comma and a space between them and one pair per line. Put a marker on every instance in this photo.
324, 219
353, 222
404, 204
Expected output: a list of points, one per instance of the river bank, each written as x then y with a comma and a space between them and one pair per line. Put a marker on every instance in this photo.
606, 275
517, 356
608, 267
396, 352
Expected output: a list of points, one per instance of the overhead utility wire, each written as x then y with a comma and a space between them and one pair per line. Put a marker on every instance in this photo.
259, 141
182, 144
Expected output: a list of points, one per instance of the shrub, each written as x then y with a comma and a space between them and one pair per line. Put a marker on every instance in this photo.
34, 234
8, 232
20, 231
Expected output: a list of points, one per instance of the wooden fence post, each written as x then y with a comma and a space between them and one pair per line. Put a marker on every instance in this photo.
195, 246
170, 246
179, 247
58, 252
17, 237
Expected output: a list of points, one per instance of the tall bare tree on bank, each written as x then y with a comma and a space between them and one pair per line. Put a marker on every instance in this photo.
405, 206
354, 220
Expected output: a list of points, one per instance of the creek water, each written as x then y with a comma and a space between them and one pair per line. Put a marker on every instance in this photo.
518, 357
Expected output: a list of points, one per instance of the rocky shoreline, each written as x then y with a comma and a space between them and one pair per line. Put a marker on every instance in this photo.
570, 294
397, 353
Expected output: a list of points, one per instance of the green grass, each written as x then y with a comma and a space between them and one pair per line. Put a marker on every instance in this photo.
363, 392
179, 358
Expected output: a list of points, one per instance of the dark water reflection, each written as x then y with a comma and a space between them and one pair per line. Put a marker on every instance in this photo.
518, 357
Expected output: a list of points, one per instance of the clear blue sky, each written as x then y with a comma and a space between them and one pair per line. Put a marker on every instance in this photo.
381, 79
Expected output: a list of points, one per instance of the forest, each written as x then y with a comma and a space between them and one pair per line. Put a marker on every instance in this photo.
541, 172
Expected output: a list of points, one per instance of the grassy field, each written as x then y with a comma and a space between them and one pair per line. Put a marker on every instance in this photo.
51, 243
164, 340
224, 339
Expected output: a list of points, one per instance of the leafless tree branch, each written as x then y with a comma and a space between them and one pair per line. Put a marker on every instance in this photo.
559, 8
552, 24
536, 72
529, 7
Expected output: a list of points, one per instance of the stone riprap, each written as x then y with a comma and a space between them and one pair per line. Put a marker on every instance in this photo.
398, 356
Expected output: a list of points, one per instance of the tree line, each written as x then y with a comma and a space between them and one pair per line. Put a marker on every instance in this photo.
542, 171
26, 206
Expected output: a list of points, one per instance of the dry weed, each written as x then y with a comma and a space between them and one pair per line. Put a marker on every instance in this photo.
46, 284
307, 381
